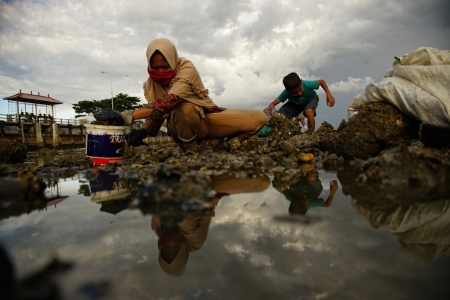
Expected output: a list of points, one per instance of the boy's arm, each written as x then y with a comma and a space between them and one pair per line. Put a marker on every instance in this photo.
333, 188
302, 120
330, 98
274, 103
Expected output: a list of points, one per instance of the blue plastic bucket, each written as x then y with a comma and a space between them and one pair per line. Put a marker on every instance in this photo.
108, 187
105, 144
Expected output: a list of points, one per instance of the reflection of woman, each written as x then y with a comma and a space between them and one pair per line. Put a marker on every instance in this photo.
304, 194
177, 240
174, 90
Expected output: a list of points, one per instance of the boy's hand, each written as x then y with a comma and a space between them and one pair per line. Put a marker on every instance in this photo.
333, 186
330, 100
273, 104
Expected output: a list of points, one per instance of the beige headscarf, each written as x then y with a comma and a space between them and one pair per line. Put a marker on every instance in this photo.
194, 228
176, 267
186, 84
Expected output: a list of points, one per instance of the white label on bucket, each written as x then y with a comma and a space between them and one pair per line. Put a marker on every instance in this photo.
117, 139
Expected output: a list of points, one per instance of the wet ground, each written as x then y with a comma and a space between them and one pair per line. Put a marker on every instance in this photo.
246, 235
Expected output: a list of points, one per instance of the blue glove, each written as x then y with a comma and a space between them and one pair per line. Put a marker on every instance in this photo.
135, 137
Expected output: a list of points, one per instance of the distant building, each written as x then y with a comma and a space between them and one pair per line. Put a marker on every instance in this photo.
32, 104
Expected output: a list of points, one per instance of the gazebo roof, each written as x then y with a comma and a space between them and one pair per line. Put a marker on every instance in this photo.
31, 98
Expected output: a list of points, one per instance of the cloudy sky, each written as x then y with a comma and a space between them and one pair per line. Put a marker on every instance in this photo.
242, 49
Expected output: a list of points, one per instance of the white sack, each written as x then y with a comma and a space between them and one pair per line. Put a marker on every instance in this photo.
418, 85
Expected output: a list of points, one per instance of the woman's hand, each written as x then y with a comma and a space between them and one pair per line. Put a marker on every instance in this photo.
108, 116
135, 137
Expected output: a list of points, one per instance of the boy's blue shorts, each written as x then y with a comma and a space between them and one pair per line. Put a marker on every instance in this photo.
291, 110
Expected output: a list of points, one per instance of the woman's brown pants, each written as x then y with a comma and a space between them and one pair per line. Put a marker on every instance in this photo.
189, 125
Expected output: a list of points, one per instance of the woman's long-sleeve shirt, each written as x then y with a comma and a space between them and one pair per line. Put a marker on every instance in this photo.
162, 108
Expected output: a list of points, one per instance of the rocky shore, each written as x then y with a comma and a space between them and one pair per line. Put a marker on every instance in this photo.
379, 145
394, 170
379, 151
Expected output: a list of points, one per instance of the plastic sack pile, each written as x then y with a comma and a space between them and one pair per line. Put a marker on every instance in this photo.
418, 84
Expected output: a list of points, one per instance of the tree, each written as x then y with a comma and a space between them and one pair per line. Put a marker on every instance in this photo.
124, 102
121, 102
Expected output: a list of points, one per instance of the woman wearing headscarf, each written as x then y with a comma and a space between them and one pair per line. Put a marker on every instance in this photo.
175, 91
177, 240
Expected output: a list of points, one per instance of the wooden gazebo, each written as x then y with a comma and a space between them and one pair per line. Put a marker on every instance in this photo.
31, 118
35, 101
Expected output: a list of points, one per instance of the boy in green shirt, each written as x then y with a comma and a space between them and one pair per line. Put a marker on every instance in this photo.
301, 97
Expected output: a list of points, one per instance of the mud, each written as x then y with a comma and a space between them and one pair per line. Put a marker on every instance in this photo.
378, 141
382, 159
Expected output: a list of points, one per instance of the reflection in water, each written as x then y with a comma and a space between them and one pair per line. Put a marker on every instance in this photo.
422, 228
182, 208
108, 189
28, 193
45, 156
303, 190
416, 211
41, 285
244, 253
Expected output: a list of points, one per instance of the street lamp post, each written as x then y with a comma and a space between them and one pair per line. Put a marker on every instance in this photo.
112, 97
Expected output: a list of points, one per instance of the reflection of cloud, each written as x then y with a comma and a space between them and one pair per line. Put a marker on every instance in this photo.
236, 249
247, 255
261, 260
296, 246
